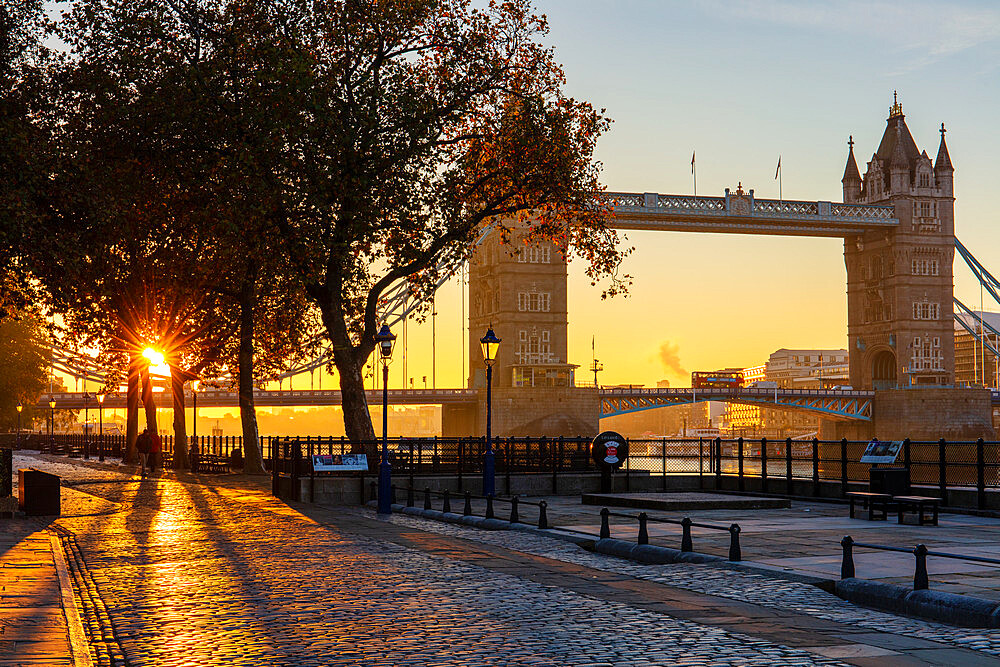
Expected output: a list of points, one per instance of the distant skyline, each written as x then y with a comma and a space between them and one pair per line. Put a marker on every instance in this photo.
741, 83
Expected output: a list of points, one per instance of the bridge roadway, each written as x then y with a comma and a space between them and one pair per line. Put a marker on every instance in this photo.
836, 404
741, 213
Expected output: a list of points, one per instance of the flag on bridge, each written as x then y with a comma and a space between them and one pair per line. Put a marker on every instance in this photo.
778, 170
692, 162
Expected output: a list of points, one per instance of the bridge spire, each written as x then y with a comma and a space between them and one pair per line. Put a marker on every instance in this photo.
943, 162
852, 176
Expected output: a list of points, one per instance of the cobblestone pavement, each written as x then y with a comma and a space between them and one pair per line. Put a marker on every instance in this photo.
775, 537
182, 573
713, 580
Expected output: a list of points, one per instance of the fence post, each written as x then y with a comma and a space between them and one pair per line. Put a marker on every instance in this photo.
906, 453
943, 471
980, 474
815, 463
920, 572
763, 465
739, 460
643, 532
735, 554
468, 504
514, 518
686, 534
461, 456
718, 463
628, 469
427, 498
409, 495
446, 505
605, 527
701, 463
489, 506
843, 467
274, 468
847, 563
411, 464
296, 457
506, 463
663, 465
557, 452
788, 466
543, 519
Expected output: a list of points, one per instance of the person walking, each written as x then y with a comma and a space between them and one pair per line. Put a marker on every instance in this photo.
144, 445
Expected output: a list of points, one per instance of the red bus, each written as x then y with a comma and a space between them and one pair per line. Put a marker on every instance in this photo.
716, 379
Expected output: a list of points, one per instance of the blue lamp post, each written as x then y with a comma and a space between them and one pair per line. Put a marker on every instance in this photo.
385, 340
490, 344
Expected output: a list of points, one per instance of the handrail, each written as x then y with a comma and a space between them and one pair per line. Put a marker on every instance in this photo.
920, 553
735, 552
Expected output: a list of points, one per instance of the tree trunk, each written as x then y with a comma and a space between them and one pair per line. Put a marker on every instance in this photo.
181, 461
147, 400
357, 419
132, 409
253, 460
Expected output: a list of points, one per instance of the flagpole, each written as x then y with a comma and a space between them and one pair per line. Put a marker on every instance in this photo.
694, 174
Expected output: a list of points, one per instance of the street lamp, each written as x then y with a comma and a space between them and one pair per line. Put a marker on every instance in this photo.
385, 340
100, 436
195, 451
490, 344
18, 439
86, 420
52, 424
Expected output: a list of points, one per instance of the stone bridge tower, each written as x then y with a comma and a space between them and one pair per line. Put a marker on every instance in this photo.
899, 282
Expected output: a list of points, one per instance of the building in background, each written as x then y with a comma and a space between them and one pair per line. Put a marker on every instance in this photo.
975, 364
791, 369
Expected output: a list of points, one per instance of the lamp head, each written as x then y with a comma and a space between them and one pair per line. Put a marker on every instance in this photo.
52, 402
100, 397
195, 385
385, 340
19, 406
490, 344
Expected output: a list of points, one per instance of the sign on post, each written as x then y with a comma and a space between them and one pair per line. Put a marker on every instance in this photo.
339, 462
882, 452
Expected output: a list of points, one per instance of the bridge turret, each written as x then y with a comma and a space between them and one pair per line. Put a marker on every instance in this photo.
943, 170
852, 177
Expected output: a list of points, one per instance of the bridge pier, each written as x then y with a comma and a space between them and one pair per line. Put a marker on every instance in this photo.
921, 413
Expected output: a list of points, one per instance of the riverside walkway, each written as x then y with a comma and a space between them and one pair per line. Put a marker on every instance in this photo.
183, 569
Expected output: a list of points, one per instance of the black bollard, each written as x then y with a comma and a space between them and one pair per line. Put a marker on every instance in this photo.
446, 506
427, 498
514, 518
468, 504
734, 543
409, 496
920, 573
847, 564
643, 533
686, 534
489, 507
543, 519
605, 528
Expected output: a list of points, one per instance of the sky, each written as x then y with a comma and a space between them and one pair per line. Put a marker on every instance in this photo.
742, 82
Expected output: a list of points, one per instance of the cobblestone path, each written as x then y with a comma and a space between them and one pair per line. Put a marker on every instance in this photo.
189, 574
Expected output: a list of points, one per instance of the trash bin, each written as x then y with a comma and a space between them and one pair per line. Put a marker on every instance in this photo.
236, 458
894, 481
38, 492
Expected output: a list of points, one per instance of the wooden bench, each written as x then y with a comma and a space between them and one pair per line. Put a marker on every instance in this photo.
917, 504
870, 501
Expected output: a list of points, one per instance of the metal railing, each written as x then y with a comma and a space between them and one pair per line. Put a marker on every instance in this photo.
735, 551
919, 552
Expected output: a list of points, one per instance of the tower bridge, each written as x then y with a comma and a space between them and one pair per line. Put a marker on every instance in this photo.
898, 230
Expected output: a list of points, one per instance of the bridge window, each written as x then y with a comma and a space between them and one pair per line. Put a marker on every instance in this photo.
925, 267
534, 302
925, 310
535, 255
926, 354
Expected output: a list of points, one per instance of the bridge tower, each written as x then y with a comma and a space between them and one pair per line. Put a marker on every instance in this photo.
518, 287
899, 282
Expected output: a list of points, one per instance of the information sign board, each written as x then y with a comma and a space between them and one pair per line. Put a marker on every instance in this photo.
339, 462
882, 452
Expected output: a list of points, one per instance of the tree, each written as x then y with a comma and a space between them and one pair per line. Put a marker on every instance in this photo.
23, 364
417, 123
